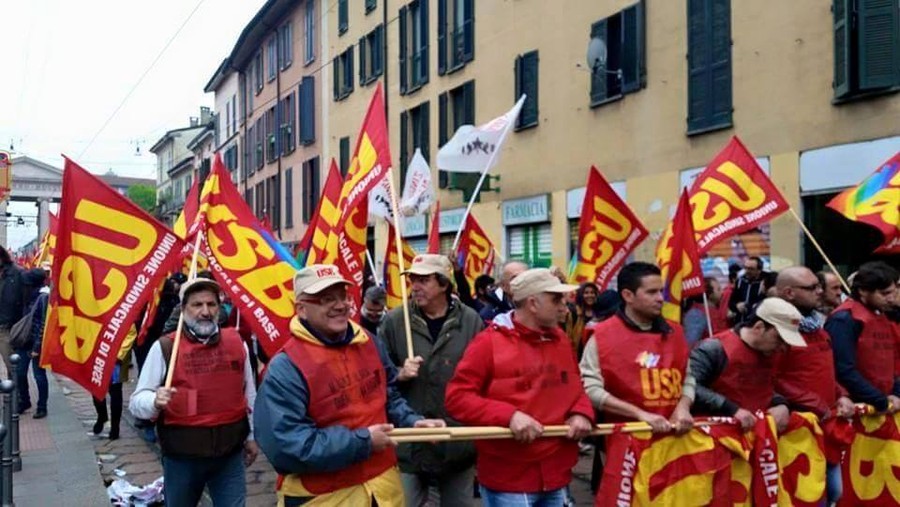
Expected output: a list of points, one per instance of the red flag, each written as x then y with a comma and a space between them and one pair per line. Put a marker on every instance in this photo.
150, 313
764, 459
608, 232
434, 233
110, 254
732, 195
801, 459
869, 468
332, 183
184, 225
325, 220
679, 261
392, 275
476, 252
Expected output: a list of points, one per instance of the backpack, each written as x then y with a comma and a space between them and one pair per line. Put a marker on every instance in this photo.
20, 332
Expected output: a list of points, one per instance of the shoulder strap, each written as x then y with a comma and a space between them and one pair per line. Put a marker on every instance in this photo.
165, 344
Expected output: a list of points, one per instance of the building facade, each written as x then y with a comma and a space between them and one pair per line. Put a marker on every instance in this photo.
175, 169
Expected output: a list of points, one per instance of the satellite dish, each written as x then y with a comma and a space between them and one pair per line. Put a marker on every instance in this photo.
596, 54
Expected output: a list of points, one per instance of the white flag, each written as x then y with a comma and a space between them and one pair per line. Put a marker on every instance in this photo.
418, 194
475, 149
380, 201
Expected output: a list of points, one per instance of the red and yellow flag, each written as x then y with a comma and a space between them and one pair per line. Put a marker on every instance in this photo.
870, 467
476, 252
48, 243
801, 460
109, 256
183, 226
324, 220
876, 202
732, 195
679, 261
254, 269
434, 232
392, 277
608, 232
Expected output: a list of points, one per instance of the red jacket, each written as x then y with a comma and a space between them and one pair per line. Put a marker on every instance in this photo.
508, 367
805, 375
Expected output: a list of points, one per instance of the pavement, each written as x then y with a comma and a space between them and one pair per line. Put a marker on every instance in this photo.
64, 464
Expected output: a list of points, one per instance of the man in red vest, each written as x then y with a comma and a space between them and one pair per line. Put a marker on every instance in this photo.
202, 420
863, 339
805, 375
521, 373
328, 402
735, 369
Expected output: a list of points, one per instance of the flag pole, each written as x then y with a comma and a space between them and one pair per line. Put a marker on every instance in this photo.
397, 240
192, 274
706, 308
372, 266
819, 248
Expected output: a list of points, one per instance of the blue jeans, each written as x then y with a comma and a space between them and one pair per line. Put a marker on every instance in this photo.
40, 378
833, 483
491, 498
185, 478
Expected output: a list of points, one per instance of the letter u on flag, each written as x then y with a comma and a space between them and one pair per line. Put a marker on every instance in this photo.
732, 195
679, 261
476, 252
608, 232
110, 254
392, 276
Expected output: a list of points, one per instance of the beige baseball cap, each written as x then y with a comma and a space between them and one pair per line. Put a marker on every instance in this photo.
535, 281
316, 278
199, 283
430, 264
785, 317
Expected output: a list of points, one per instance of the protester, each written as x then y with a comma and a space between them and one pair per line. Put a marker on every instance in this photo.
202, 420
324, 406
172, 322
29, 355
832, 292
499, 301
463, 289
863, 339
12, 303
748, 290
441, 330
805, 375
373, 308
119, 376
484, 284
735, 369
580, 313
694, 320
520, 373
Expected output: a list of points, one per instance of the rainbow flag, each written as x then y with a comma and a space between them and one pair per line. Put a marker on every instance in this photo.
875, 201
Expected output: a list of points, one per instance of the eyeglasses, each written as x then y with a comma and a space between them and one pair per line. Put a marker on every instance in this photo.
812, 288
327, 300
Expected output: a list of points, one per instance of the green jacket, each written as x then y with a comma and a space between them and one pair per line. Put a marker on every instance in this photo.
425, 393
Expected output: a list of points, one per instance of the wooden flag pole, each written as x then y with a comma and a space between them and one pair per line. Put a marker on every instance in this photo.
398, 240
706, 308
192, 274
819, 248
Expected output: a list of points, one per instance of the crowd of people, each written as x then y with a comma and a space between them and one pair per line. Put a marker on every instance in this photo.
525, 351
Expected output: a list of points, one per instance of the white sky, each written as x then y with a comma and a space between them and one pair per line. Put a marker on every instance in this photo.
67, 65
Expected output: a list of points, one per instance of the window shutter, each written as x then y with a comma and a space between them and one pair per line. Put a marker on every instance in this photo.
721, 63
598, 77
276, 130
423, 22
528, 84
342, 16
424, 140
469, 34
335, 71
404, 145
345, 155
517, 79
308, 110
442, 36
699, 79
349, 71
362, 61
288, 198
378, 52
469, 101
633, 68
443, 179
878, 44
404, 46
841, 11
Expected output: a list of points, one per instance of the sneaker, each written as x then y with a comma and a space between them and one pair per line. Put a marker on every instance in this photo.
40, 414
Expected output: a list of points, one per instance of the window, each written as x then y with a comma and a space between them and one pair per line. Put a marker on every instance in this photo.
709, 65
456, 34
258, 72
246, 97
311, 188
345, 155
310, 19
245, 155
261, 199
288, 198
371, 56
457, 108
227, 122
414, 133
371, 5
342, 17
270, 142
285, 43
342, 69
230, 158
413, 46
866, 47
272, 55
234, 113
249, 145
260, 139
308, 110
248, 197
286, 127
273, 203
527, 83
625, 70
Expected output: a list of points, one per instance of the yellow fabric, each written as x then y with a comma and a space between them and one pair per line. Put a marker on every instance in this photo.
125, 351
300, 332
386, 488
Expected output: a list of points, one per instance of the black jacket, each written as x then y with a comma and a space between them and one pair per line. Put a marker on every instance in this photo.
747, 292
12, 295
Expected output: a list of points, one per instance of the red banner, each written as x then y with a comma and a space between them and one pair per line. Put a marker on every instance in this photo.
392, 277
325, 220
48, 244
679, 262
434, 232
608, 232
801, 459
476, 252
184, 225
109, 256
871, 467
732, 195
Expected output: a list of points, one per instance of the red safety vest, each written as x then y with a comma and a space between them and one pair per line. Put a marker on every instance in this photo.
347, 387
645, 369
875, 347
718, 317
209, 382
811, 366
747, 379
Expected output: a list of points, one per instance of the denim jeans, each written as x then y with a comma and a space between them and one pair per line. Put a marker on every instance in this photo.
833, 485
185, 479
40, 378
491, 498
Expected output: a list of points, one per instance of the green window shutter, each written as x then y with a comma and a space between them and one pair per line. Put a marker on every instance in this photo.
443, 176
345, 155
425, 131
842, 57
362, 61
469, 34
721, 63
469, 100
404, 41
517, 79
349, 75
423, 27
527, 83
335, 73
634, 72
378, 52
404, 143
442, 36
598, 77
878, 44
342, 16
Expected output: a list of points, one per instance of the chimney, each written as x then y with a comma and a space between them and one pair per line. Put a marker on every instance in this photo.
205, 115
195, 121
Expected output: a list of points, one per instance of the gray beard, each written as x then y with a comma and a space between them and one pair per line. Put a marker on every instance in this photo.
201, 328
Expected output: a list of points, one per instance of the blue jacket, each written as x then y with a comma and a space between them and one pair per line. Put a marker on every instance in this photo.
38, 320
290, 438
